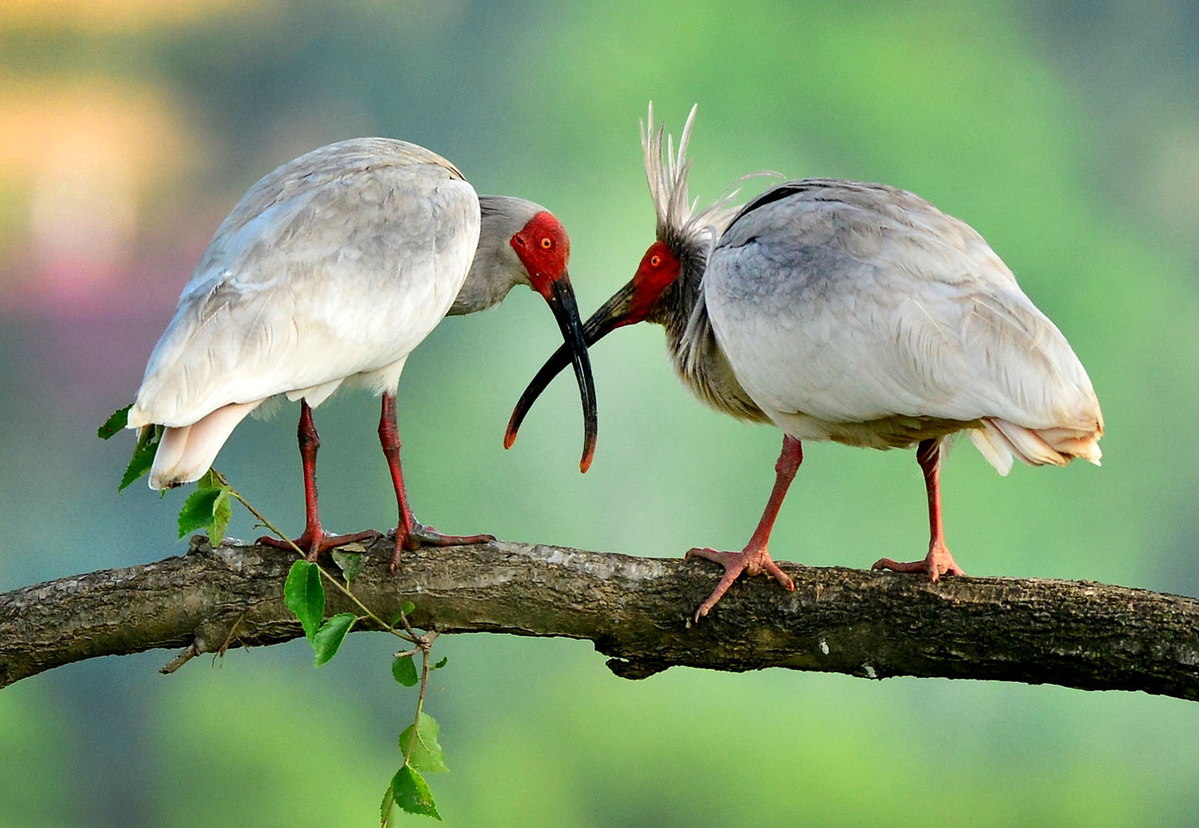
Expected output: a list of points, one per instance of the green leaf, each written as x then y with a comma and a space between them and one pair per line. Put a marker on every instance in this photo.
386, 808
420, 747
207, 508
350, 563
329, 637
305, 596
403, 669
441, 663
116, 423
401, 619
222, 512
140, 462
198, 510
143, 455
411, 793
211, 480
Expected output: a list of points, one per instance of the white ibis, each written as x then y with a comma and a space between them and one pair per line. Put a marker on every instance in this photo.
851, 312
329, 271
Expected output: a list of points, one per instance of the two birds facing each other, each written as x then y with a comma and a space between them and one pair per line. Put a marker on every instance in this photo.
834, 309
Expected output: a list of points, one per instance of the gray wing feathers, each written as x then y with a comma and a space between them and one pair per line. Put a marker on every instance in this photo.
853, 302
334, 265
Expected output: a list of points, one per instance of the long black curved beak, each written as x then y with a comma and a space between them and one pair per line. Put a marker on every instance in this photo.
611, 315
561, 300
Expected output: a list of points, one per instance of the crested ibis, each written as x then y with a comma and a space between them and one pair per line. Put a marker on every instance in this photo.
329, 271
853, 312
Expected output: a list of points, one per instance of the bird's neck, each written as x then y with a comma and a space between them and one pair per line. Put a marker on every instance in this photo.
696, 355
487, 283
679, 303
496, 267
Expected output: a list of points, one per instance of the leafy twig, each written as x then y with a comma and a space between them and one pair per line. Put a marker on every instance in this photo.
419, 742
208, 508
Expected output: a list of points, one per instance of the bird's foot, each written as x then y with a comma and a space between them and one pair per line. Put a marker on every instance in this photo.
749, 561
315, 544
419, 535
936, 563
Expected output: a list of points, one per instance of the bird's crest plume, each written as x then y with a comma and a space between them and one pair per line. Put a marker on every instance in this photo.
680, 219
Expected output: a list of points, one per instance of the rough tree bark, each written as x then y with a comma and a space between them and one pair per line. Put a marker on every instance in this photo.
870, 624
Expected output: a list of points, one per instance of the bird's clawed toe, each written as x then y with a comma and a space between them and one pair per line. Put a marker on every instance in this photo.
418, 535
751, 562
428, 536
936, 564
315, 544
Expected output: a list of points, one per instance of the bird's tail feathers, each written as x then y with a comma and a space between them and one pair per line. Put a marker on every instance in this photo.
999, 441
186, 452
1074, 443
994, 448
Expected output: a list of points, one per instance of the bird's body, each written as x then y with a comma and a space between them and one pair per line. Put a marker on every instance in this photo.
333, 268
330, 271
862, 314
851, 312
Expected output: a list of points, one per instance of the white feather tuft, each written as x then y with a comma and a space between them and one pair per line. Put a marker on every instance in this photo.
666, 172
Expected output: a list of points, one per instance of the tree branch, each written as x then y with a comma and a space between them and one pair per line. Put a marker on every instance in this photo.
871, 624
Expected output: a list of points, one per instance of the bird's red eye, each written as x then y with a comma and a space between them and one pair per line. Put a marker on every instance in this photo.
655, 261
547, 242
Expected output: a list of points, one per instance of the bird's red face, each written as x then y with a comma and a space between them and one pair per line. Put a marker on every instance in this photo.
633, 303
544, 249
658, 269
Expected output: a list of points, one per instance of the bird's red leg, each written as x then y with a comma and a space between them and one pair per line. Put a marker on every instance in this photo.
315, 540
938, 562
754, 559
409, 534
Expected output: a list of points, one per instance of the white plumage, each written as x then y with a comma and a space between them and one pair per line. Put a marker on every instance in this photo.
329, 271
860, 313
852, 312
332, 268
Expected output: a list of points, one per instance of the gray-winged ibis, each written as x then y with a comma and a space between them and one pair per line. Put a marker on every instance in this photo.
852, 312
330, 271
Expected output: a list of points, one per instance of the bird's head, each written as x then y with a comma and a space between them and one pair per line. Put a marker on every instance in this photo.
543, 248
640, 298
523, 243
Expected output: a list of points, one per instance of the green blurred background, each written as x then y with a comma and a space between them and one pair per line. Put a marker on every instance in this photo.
1066, 132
